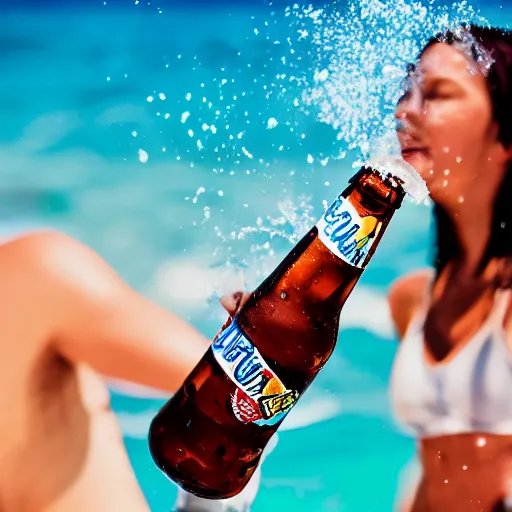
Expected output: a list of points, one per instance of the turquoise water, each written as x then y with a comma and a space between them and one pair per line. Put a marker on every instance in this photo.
74, 97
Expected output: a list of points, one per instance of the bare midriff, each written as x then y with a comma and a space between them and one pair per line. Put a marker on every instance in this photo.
465, 473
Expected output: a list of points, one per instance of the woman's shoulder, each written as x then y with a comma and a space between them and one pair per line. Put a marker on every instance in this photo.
406, 295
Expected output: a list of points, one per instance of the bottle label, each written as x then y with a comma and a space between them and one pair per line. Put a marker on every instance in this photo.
260, 397
346, 234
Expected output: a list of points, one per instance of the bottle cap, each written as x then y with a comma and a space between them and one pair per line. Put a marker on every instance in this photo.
413, 183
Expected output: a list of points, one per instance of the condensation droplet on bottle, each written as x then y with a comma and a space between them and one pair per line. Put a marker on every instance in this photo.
481, 441
464, 468
503, 225
284, 295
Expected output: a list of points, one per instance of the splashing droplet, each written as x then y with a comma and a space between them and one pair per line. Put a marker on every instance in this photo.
200, 190
272, 123
143, 156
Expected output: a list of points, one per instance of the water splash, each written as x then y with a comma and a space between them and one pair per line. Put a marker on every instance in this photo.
295, 218
413, 184
362, 50
360, 53
342, 65
307, 85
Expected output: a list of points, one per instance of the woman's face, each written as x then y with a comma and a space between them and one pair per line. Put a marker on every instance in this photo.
446, 127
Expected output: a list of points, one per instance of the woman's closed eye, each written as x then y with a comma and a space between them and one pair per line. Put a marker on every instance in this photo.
439, 93
440, 90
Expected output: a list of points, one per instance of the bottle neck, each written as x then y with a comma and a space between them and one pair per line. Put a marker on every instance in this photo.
322, 269
352, 228
353, 225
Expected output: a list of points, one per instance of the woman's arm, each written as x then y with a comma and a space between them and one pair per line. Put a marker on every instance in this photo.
92, 316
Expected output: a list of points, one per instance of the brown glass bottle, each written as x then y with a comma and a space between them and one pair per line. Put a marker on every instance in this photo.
210, 435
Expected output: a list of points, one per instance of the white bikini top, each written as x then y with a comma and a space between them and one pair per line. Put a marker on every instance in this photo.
471, 392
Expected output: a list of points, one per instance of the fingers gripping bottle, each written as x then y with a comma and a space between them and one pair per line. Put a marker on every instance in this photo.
210, 435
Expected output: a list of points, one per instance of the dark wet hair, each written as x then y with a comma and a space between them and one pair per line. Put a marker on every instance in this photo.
498, 44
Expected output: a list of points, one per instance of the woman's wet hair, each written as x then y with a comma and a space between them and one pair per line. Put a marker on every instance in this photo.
485, 42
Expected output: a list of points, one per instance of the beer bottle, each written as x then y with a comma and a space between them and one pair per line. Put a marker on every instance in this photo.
210, 435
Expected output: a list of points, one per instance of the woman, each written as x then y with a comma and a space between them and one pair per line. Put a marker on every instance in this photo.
65, 318
452, 377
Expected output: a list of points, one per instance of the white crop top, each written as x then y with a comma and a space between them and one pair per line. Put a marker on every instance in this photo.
471, 392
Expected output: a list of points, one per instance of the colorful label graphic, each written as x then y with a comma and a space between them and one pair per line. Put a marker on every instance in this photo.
261, 397
346, 234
